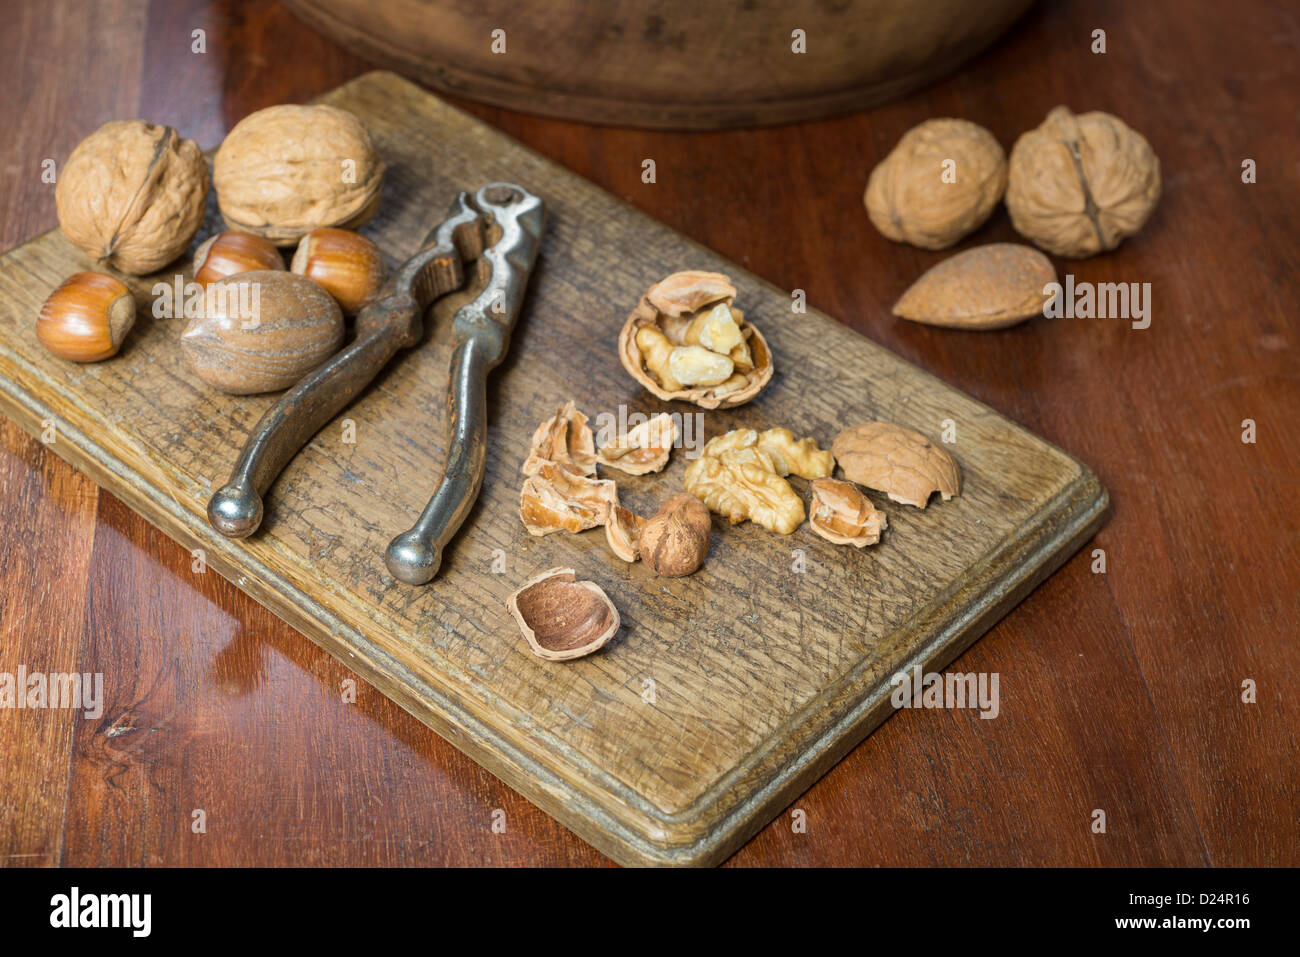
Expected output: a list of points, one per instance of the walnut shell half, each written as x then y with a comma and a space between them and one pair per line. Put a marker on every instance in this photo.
561, 618
900, 462
132, 195
666, 314
287, 170
1081, 184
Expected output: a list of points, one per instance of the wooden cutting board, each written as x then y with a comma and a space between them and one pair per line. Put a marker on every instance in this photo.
727, 693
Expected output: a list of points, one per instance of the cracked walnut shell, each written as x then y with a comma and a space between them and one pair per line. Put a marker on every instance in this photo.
900, 462
132, 195
644, 448
556, 499
287, 170
1079, 185
562, 618
670, 343
840, 513
566, 439
938, 184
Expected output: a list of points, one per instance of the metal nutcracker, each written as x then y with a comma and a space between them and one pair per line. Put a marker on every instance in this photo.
499, 230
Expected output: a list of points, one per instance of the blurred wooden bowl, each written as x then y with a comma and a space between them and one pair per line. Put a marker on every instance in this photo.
669, 64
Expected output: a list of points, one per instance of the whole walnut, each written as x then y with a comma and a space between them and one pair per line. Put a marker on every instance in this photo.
287, 170
132, 195
915, 195
1081, 184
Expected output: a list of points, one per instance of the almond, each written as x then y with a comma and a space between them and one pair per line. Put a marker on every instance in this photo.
988, 287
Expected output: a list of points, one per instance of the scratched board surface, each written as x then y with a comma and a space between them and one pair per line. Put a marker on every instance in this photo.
726, 693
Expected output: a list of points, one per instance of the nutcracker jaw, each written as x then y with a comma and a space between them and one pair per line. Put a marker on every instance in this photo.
499, 231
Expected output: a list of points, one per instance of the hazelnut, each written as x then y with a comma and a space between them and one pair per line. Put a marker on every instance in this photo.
1081, 184
349, 266
286, 170
938, 184
676, 541
561, 618
261, 332
86, 318
132, 195
230, 253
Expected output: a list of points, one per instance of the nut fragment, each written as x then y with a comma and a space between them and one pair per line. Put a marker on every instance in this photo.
644, 448
286, 170
556, 499
696, 365
900, 462
685, 292
840, 513
561, 618
676, 541
132, 195
939, 183
623, 532
988, 287
802, 458
673, 343
740, 475
1081, 184
565, 438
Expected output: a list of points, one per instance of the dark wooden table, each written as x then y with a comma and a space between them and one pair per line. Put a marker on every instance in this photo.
1121, 691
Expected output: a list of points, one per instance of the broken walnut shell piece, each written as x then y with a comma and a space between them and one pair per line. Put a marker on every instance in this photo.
558, 499
841, 514
643, 449
562, 618
690, 291
564, 438
656, 332
623, 529
898, 461
988, 287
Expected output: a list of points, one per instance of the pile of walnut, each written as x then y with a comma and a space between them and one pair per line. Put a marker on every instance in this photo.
132, 196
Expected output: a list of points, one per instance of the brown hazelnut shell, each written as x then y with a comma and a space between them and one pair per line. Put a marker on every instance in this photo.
675, 541
561, 618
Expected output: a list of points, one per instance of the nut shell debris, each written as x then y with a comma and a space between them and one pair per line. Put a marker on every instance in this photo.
644, 448
988, 287
562, 618
566, 439
840, 513
898, 461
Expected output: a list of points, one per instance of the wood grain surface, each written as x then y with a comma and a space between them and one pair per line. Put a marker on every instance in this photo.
1121, 691
721, 699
